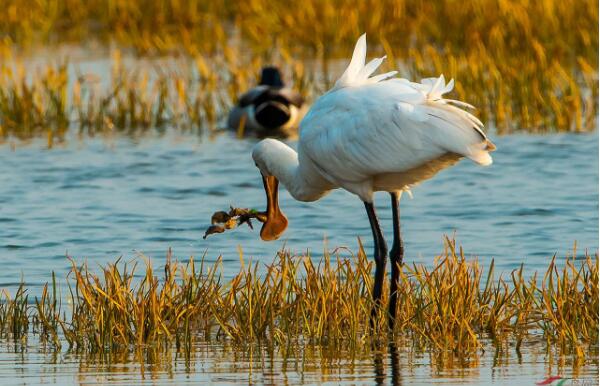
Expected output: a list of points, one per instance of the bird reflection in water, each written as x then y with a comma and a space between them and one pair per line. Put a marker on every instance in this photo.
378, 362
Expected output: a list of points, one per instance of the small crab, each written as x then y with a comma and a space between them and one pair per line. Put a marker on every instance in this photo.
222, 221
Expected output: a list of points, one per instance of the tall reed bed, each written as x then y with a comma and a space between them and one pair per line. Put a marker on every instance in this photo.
190, 94
453, 309
527, 65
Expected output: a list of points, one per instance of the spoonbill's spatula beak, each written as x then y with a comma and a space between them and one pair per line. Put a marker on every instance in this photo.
276, 222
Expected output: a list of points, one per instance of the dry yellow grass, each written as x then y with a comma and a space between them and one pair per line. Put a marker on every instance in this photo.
191, 95
450, 310
527, 65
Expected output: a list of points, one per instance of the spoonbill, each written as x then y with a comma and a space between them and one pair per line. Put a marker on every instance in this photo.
371, 134
269, 108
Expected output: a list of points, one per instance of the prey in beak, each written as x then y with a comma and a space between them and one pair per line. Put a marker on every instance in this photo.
276, 222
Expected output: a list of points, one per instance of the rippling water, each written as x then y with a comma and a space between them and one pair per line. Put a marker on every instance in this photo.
216, 364
98, 200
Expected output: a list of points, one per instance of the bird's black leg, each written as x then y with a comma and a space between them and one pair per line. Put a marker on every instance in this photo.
396, 256
380, 256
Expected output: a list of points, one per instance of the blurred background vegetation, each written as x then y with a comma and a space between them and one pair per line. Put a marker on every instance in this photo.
527, 65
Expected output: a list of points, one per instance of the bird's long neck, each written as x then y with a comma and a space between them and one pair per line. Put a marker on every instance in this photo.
301, 179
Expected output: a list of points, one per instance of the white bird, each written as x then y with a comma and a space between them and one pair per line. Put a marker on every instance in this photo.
371, 134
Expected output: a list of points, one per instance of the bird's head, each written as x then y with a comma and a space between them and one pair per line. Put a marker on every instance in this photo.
276, 222
271, 76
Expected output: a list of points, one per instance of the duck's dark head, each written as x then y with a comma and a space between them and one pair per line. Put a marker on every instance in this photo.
270, 76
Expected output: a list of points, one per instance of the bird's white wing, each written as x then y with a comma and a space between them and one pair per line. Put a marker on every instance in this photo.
365, 126
387, 127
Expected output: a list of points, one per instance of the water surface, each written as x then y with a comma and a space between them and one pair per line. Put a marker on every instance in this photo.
222, 365
100, 199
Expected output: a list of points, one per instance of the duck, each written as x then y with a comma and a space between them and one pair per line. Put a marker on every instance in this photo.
268, 110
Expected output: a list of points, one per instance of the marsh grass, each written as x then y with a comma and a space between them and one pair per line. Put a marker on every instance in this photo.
192, 95
526, 65
452, 310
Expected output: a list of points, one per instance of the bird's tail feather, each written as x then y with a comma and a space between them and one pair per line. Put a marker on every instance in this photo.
462, 131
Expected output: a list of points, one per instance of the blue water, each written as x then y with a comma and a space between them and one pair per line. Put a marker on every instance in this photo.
98, 199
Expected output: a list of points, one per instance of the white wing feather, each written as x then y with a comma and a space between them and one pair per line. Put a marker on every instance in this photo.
357, 72
357, 63
365, 127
